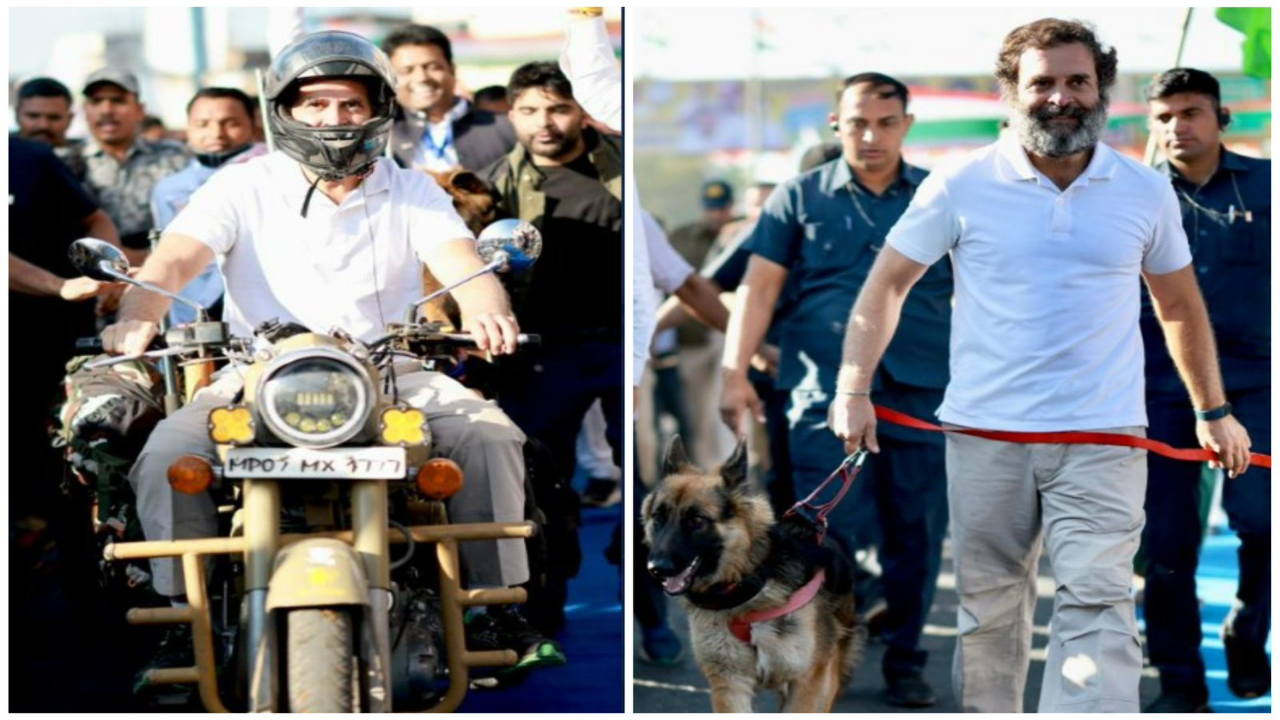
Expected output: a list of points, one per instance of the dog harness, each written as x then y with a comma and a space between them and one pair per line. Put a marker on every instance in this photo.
740, 626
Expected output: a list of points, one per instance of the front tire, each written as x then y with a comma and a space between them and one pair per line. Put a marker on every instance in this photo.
320, 660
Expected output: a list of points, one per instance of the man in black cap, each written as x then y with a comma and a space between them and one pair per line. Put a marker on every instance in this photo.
435, 129
121, 167
696, 238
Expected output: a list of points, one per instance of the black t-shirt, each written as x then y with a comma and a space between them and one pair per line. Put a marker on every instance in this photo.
47, 208
576, 287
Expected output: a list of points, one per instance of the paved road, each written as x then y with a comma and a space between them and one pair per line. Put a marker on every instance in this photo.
682, 689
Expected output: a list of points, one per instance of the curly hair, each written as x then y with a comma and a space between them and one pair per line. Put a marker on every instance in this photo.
1050, 33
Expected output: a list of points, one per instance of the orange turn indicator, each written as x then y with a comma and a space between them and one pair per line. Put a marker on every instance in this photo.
439, 478
190, 475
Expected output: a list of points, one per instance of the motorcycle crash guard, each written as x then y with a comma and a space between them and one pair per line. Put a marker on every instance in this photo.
317, 572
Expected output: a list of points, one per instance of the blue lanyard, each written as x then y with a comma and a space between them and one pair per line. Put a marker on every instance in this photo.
430, 142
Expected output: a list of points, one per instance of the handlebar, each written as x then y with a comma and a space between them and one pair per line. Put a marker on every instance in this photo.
522, 340
94, 344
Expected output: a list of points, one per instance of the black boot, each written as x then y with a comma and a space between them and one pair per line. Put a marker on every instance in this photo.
1248, 667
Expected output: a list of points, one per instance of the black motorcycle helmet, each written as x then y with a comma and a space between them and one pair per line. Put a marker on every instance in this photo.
339, 151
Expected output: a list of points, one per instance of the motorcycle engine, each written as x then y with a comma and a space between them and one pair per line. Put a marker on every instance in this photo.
417, 651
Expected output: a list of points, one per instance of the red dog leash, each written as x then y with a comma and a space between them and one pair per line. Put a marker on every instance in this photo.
740, 625
847, 471
1068, 438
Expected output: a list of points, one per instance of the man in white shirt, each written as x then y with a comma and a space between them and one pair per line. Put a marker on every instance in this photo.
328, 233
1049, 231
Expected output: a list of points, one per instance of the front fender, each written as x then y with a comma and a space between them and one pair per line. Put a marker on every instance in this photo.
320, 571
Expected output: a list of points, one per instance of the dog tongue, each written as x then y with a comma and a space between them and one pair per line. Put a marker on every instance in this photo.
677, 584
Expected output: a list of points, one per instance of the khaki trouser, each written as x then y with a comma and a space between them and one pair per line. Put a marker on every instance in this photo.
700, 375
1086, 502
470, 430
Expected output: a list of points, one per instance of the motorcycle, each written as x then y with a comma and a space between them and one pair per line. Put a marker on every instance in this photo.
320, 474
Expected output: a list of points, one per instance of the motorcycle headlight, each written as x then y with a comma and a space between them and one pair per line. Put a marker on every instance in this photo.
316, 398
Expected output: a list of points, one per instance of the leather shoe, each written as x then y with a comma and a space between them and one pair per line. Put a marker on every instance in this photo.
1248, 668
909, 691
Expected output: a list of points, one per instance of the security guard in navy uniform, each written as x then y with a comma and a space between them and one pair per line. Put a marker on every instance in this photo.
823, 230
1226, 210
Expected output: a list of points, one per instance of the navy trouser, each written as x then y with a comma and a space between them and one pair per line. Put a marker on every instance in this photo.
898, 502
1173, 532
547, 390
777, 481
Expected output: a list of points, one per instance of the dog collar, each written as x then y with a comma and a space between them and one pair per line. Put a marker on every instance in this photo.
740, 626
723, 596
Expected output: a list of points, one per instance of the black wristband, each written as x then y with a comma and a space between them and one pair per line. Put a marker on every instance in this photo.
1215, 414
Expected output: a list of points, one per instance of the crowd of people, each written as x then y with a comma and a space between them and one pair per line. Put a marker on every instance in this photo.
254, 232
1044, 283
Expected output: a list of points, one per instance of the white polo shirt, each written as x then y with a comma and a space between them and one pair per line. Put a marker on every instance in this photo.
353, 266
1045, 331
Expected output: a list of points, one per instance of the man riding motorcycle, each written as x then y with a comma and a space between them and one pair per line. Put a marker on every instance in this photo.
328, 233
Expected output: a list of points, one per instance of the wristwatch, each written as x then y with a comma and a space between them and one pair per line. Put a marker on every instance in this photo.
1215, 414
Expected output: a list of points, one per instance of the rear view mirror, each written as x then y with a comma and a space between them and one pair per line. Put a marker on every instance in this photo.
93, 258
516, 241
101, 260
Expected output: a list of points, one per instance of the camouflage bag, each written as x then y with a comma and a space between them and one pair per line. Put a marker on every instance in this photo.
103, 425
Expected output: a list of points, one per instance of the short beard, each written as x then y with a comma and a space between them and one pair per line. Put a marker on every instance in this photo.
1039, 137
559, 150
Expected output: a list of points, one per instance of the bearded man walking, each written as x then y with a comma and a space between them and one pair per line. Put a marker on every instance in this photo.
1049, 231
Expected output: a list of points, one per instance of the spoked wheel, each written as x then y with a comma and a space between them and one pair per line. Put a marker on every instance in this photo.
321, 660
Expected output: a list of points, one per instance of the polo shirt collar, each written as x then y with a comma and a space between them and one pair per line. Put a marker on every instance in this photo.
912, 175
1017, 165
842, 175
1102, 166
297, 183
1227, 162
1231, 161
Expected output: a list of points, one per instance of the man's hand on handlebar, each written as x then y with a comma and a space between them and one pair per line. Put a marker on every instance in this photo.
129, 337
494, 332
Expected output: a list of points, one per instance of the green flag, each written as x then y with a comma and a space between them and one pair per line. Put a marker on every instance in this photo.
1255, 23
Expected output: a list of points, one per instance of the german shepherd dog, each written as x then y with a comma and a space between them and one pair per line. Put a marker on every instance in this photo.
714, 543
